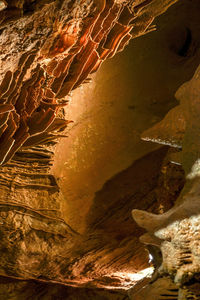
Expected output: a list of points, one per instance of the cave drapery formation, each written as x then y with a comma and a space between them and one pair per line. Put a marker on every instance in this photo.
48, 49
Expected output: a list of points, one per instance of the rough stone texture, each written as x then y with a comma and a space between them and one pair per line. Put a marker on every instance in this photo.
112, 111
177, 231
163, 288
41, 245
13, 289
49, 48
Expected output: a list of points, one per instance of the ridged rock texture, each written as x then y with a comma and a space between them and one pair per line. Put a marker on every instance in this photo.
48, 49
176, 232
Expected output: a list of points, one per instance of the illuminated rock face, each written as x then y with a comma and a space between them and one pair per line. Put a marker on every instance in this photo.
48, 49
177, 231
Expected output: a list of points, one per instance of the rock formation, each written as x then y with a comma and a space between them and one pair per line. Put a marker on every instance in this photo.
48, 49
176, 232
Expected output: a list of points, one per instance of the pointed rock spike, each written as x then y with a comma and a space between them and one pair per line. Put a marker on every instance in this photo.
175, 158
168, 132
150, 239
147, 220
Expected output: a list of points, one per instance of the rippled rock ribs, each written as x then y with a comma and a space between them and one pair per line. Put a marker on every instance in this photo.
49, 48
53, 48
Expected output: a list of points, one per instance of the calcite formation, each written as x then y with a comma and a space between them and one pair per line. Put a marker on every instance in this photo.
48, 49
177, 231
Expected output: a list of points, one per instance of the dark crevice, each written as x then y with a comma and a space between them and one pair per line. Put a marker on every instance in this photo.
184, 50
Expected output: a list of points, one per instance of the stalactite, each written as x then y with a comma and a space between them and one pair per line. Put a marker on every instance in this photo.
178, 229
72, 59
55, 46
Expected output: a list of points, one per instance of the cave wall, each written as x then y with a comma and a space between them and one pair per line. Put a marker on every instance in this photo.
66, 232
50, 48
176, 232
130, 93
33, 290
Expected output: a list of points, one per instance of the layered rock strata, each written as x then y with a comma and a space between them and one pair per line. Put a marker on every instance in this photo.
48, 49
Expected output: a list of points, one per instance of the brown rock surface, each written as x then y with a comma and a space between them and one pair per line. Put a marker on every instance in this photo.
74, 228
178, 228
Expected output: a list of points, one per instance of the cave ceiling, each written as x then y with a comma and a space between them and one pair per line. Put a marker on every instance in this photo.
99, 149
